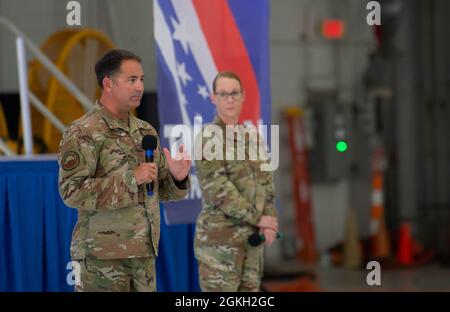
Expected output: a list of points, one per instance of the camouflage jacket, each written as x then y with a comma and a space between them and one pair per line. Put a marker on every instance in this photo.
235, 194
116, 219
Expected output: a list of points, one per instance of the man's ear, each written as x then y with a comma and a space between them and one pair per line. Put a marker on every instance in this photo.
107, 83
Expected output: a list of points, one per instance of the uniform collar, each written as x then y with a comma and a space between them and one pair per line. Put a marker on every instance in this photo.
133, 124
219, 122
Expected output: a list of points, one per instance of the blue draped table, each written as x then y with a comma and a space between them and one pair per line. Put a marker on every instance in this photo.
36, 229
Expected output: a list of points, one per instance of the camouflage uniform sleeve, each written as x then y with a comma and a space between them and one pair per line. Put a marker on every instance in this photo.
79, 188
269, 207
267, 179
169, 190
218, 187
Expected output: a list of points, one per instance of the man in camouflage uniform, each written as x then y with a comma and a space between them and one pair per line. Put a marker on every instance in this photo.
103, 174
238, 200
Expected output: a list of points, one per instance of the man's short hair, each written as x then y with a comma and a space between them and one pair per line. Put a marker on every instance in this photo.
226, 74
109, 64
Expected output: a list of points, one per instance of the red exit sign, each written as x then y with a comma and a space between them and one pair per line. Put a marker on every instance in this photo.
333, 29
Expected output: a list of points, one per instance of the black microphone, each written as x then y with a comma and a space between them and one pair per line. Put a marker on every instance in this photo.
149, 144
255, 239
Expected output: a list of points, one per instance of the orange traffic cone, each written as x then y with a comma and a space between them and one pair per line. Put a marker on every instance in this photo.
380, 245
352, 245
405, 244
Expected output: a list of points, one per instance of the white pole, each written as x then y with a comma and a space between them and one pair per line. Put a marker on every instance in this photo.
24, 102
48, 64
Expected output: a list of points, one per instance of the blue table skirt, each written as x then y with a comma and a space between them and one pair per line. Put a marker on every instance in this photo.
36, 229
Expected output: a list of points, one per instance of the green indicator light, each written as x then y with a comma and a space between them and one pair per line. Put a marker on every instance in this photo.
341, 146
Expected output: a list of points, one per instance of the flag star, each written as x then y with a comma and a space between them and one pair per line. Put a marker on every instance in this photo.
202, 91
180, 33
184, 76
183, 99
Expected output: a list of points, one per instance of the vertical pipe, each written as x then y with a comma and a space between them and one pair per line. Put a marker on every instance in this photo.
24, 101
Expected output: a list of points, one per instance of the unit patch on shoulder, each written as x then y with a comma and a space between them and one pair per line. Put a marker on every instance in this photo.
70, 160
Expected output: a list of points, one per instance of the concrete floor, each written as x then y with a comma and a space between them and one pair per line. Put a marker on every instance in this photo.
429, 278
295, 277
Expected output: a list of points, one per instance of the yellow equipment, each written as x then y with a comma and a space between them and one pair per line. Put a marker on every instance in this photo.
74, 52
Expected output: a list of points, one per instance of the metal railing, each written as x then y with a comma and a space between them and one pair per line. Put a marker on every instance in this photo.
23, 41
5, 148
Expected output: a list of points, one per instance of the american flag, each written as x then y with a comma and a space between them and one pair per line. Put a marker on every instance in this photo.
195, 40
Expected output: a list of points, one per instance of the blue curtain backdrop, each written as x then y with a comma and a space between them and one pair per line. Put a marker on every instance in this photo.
36, 229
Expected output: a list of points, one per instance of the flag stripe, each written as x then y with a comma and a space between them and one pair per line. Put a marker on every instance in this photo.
229, 51
197, 43
255, 33
164, 41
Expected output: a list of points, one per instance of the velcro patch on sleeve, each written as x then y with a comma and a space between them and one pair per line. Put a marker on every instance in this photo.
70, 160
